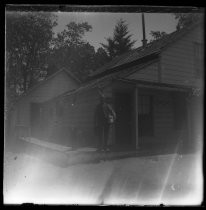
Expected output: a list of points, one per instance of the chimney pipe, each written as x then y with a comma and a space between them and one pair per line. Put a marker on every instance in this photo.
144, 40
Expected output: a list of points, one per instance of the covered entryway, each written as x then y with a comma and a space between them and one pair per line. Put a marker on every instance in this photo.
162, 118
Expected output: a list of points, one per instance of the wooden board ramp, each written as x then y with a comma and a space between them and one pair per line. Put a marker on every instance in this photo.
64, 156
46, 144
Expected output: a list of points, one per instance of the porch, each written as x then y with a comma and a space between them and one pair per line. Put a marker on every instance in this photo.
148, 116
65, 156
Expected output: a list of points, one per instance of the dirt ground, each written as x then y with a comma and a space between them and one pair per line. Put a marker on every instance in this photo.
168, 179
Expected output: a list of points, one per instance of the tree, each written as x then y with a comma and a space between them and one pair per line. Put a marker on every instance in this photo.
71, 51
72, 35
157, 35
120, 42
110, 47
28, 36
186, 19
101, 58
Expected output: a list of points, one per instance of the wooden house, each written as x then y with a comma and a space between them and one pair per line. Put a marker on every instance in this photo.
26, 116
153, 90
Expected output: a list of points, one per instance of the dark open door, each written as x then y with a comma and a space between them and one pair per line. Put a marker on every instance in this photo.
124, 122
145, 116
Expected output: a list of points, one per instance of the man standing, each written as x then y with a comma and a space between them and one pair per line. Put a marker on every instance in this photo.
104, 118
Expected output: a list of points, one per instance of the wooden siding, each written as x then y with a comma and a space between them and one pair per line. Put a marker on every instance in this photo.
177, 61
78, 117
148, 73
82, 111
49, 89
58, 85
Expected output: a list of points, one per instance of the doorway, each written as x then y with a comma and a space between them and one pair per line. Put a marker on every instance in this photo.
124, 121
145, 116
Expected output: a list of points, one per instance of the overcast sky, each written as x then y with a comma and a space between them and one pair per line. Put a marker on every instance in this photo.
104, 23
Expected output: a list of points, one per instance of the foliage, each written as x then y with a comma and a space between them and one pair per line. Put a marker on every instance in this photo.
101, 57
77, 59
110, 47
186, 19
120, 42
28, 37
71, 51
157, 35
72, 35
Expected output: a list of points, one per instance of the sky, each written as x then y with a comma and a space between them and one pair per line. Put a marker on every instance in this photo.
103, 24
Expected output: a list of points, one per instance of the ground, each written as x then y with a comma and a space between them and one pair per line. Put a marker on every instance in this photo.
169, 179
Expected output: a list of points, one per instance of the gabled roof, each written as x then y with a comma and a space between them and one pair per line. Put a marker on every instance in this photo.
155, 46
103, 81
71, 75
100, 82
141, 57
50, 77
47, 79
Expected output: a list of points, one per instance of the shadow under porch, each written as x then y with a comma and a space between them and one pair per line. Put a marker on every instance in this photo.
151, 118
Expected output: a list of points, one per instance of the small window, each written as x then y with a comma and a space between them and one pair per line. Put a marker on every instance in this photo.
198, 58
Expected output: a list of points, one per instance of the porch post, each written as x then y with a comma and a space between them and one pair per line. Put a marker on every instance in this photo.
136, 117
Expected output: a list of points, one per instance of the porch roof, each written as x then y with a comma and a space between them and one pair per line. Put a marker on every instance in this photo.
156, 85
108, 79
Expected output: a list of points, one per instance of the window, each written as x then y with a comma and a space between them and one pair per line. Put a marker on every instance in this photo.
198, 58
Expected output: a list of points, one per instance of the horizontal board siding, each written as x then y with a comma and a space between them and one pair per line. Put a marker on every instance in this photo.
49, 89
177, 61
84, 113
179, 75
76, 121
52, 88
149, 73
81, 115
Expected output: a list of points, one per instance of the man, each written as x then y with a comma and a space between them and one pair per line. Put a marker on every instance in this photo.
104, 118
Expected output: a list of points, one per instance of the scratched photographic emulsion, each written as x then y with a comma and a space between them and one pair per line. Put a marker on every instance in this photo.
103, 105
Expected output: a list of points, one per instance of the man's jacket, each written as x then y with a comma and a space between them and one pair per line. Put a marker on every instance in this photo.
104, 114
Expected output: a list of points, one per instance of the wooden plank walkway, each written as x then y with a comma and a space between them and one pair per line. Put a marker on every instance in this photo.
67, 156
46, 144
